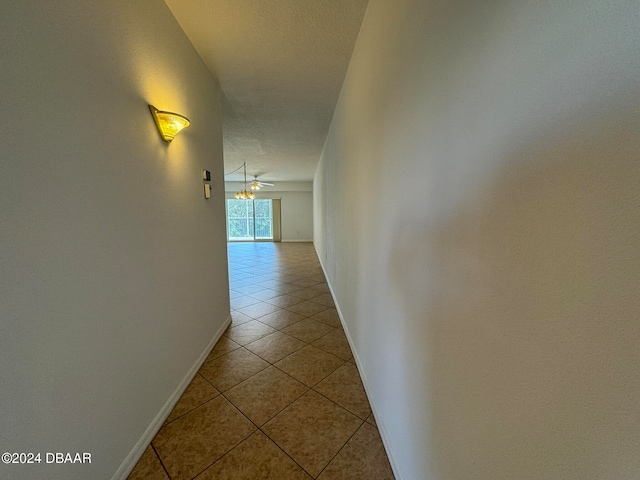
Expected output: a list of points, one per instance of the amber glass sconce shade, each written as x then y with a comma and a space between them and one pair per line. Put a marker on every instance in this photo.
168, 123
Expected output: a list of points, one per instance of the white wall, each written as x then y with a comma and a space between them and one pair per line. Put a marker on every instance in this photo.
113, 266
489, 280
296, 205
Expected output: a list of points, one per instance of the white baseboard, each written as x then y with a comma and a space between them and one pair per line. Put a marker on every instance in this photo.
296, 241
363, 376
132, 459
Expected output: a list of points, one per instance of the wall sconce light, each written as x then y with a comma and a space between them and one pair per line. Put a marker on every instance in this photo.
168, 123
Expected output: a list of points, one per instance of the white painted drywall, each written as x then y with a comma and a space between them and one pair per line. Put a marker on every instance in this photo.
297, 207
113, 265
489, 280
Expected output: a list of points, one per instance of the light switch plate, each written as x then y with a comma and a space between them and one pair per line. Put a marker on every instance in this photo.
207, 190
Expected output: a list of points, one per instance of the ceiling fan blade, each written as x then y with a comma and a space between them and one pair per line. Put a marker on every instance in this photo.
256, 184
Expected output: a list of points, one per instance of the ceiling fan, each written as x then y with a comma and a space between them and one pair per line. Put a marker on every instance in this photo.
257, 184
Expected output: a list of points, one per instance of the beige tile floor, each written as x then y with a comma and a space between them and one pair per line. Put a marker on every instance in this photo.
280, 396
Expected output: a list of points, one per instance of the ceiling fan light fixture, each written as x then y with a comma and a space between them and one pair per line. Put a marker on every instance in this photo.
258, 184
244, 194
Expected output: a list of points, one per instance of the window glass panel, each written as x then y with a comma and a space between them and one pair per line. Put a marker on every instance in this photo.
240, 219
237, 208
264, 222
242, 224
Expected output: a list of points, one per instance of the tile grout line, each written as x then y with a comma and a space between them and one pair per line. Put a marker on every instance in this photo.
259, 429
342, 448
193, 409
283, 451
160, 460
337, 404
236, 445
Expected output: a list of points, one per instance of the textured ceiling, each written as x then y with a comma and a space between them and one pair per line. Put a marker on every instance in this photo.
280, 64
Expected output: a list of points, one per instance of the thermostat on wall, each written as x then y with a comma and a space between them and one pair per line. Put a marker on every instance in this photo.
206, 175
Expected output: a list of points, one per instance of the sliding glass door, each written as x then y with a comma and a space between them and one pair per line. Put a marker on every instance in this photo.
263, 219
249, 220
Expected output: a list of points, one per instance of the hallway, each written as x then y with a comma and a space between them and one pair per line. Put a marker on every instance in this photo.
279, 396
